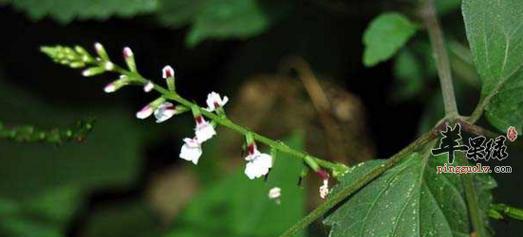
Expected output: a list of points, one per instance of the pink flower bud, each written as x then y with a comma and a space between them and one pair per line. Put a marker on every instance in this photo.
167, 72
127, 52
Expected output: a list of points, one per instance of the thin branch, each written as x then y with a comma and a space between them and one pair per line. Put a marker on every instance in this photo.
321, 104
430, 19
359, 183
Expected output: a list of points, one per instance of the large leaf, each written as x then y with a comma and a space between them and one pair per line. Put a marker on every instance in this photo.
64, 11
237, 206
384, 36
495, 34
219, 19
410, 199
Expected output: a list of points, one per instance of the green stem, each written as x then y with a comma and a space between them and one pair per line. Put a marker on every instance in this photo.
431, 22
359, 183
506, 210
336, 168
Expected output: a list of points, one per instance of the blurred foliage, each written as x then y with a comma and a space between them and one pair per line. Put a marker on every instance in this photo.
45, 214
65, 11
49, 180
242, 205
29, 133
385, 35
209, 19
220, 19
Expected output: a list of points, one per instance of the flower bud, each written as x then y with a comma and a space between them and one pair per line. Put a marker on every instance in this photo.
129, 59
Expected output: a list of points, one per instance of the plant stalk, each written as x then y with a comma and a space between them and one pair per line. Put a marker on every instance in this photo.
430, 19
359, 183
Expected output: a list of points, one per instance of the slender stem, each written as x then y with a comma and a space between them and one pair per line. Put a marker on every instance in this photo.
430, 19
473, 205
336, 168
431, 22
359, 183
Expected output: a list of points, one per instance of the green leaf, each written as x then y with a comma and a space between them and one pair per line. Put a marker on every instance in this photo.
221, 19
385, 35
409, 199
65, 11
409, 72
495, 34
243, 205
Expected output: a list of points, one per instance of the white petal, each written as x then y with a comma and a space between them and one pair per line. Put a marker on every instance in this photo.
204, 131
274, 193
324, 189
264, 160
250, 170
191, 151
164, 112
214, 99
145, 112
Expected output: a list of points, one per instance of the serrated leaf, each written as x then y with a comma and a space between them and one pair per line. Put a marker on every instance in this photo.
495, 34
385, 35
65, 11
242, 205
409, 199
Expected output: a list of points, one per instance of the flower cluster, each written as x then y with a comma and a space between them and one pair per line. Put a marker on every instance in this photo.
169, 104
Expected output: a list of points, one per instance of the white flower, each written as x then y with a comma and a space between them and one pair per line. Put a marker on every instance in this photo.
191, 150
258, 164
214, 101
274, 193
204, 130
324, 189
145, 112
148, 87
164, 112
167, 72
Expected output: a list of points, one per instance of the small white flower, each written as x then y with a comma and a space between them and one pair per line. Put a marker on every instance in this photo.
167, 72
214, 101
204, 130
127, 52
164, 112
145, 112
191, 150
274, 193
258, 164
324, 189
148, 87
